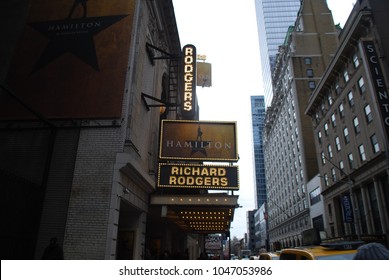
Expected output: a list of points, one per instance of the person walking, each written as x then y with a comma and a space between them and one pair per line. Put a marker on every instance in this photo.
53, 251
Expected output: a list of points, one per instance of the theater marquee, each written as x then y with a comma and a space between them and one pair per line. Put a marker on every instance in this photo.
198, 140
224, 177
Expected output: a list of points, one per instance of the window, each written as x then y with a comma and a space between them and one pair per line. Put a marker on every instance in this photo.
314, 196
308, 60
323, 158
350, 98
374, 143
310, 73
329, 99
333, 174
341, 166
318, 222
326, 129
319, 137
337, 143
329, 151
337, 88
333, 120
346, 76
350, 160
355, 60
357, 128
341, 110
346, 135
362, 154
325, 177
361, 85
311, 84
317, 118
368, 115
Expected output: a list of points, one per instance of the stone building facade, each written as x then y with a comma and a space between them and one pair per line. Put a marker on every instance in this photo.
349, 111
290, 155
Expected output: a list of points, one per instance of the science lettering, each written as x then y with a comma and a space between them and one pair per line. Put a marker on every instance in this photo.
378, 80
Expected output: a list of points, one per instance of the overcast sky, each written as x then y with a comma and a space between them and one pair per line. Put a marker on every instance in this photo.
226, 32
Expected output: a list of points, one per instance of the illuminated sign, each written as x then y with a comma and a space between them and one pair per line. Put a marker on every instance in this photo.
381, 92
188, 104
223, 177
198, 140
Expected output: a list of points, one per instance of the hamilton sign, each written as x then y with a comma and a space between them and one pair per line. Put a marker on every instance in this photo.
198, 141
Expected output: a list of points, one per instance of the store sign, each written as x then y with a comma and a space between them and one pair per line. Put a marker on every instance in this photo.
223, 177
198, 140
189, 92
378, 82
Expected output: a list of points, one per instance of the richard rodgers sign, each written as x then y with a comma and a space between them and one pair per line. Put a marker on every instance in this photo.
198, 176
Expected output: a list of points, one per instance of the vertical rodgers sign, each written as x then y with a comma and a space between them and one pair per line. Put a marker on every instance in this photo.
189, 90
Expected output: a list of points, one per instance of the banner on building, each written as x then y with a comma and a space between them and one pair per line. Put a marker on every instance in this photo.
204, 74
222, 177
198, 140
348, 216
71, 61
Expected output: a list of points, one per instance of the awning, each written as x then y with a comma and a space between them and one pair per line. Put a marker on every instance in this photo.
198, 213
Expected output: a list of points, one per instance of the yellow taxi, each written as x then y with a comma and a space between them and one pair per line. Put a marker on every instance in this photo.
325, 251
269, 256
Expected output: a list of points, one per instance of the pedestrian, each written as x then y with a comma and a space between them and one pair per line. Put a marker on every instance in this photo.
53, 251
372, 251
203, 256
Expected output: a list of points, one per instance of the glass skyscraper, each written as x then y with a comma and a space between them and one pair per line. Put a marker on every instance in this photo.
273, 18
258, 118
